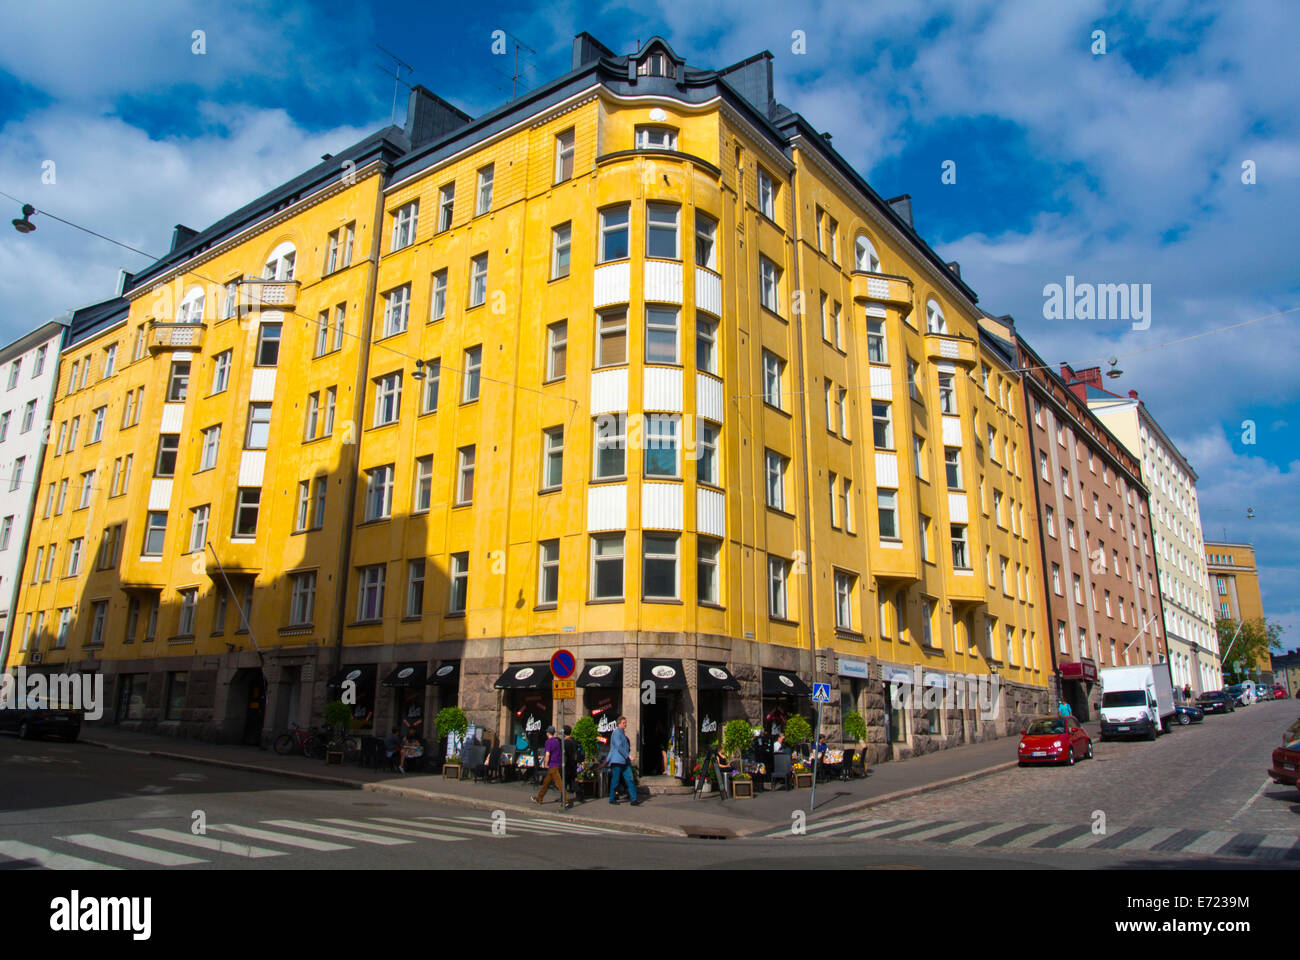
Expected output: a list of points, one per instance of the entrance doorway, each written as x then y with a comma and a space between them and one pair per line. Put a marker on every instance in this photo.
662, 735
286, 698
246, 707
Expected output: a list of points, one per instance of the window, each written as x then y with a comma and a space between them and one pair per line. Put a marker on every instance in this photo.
706, 253
414, 588
707, 572
659, 570
388, 399
934, 318
14, 369
6, 528
833, 235
927, 639
478, 280
1002, 568
656, 138
1056, 580
50, 564
1049, 521
4, 429
178, 382
312, 418
706, 350
322, 333
997, 508
405, 219
1069, 529
302, 599
611, 338
65, 621
548, 572
304, 506
607, 567
864, 255
87, 488
661, 334
614, 233
483, 199
338, 252
766, 194
887, 513
952, 466
423, 490
465, 476
279, 266
96, 423
38, 362
844, 600
258, 432
168, 449
1078, 589
876, 342
470, 379
1065, 483
379, 493
561, 240
154, 533
564, 156
397, 306
199, 528
557, 345
72, 433
438, 296
220, 373
776, 465
706, 452
318, 498
229, 305
247, 504
611, 446
777, 575
661, 444
882, 427
370, 593
446, 205
773, 372
330, 397
925, 540
459, 583
268, 345
552, 458
769, 279
29, 415
661, 231
846, 501
1096, 507
960, 555
432, 381
947, 396
918, 457
912, 388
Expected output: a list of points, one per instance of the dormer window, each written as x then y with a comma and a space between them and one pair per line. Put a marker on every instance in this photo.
656, 64
280, 264
656, 138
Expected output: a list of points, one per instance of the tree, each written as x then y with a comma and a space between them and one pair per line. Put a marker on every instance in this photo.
737, 737
797, 730
1251, 647
855, 728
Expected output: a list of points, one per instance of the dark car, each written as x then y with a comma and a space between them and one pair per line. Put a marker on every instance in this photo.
38, 719
1216, 701
1053, 740
1189, 713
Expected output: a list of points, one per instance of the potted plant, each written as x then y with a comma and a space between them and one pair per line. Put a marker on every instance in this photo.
803, 776
742, 786
855, 729
588, 737
337, 715
451, 720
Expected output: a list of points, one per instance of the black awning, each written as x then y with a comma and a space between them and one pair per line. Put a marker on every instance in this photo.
407, 675
601, 674
782, 683
446, 674
363, 674
666, 674
714, 676
524, 676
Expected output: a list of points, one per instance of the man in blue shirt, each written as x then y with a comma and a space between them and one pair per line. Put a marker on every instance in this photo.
554, 766
620, 763
1063, 709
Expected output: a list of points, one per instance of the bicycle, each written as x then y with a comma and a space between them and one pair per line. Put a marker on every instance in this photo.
310, 743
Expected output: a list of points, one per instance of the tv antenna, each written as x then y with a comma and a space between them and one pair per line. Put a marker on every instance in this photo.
396, 73
516, 78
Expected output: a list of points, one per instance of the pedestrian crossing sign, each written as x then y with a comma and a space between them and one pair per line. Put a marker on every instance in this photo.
821, 693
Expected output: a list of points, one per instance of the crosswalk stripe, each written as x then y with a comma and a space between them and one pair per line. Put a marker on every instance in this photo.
1241, 845
937, 829
271, 836
953, 835
516, 824
132, 851
16, 850
1278, 846
209, 843
577, 827
1149, 839
1113, 841
1180, 839
1208, 842
425, 833
1070, 838
336, 832
1029, 837
443, 823
842, 827
874, 827
971, 839
915, 830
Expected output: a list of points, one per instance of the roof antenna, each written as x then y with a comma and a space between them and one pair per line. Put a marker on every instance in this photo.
516, 78
398, 66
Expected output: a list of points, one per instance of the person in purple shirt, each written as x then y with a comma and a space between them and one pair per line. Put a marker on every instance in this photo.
554, 769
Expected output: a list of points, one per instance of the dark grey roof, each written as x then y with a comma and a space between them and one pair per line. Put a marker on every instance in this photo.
89, 321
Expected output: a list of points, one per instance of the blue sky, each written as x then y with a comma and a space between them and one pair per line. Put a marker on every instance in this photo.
1122, 167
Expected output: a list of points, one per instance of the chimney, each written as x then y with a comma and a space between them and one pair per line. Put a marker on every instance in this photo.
587, 49
902, 205
955, 267
429, 117
1079, 381
1133, 394
182, 235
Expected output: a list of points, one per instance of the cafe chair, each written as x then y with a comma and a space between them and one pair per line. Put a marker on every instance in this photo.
372, 752
782, 768
846, 768
473, 759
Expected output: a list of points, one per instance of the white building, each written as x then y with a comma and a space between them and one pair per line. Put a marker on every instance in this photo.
1180, 550
29, 369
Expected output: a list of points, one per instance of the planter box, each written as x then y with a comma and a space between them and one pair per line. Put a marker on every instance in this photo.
334, 758
451, 771
742, 789
803, 781
587, 789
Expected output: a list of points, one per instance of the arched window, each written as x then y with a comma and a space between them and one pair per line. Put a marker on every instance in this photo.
279, 265
865, 256
934, 318
191, 307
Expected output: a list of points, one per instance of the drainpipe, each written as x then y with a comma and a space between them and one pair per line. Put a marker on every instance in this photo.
1025, 380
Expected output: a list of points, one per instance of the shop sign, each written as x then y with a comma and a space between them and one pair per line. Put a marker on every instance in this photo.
405, 672
663, 672
445, 669
786, 680
606, 725
855, 668
717, 673
532, 725
708, 726
523, 673
601, 670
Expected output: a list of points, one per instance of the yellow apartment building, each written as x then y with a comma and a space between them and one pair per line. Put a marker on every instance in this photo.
1234, 582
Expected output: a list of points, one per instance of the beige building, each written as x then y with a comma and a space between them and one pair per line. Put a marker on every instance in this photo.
1234, 583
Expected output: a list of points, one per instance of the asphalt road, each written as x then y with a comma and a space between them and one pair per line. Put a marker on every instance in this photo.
1195, 798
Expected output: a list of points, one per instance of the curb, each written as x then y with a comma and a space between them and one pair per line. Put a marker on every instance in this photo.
231, 765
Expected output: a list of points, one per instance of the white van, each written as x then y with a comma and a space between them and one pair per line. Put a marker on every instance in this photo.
1136, 701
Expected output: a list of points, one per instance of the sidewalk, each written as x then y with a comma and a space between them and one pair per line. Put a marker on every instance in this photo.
666, 815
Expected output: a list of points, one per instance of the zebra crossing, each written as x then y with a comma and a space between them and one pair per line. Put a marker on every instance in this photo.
161, 847
986, 834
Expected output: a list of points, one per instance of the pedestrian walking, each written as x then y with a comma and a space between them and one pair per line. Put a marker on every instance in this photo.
1063, 708
620, 763
554, 765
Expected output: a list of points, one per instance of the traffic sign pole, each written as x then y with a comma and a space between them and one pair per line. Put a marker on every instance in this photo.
821, 696
563, 663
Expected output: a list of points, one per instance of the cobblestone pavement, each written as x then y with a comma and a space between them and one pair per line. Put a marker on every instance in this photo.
1202, 789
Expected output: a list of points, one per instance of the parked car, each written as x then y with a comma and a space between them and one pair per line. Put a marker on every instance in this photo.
39, 719
1279, 692
1286, 758
1136, 701
1189, 713
1216, 701
1053, 740
1240, 694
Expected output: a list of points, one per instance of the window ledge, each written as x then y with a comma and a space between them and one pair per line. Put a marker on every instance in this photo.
849, 635
710, 605
545, 606
296, 629
365, 623
545, 490
782, 620
597, 481
669, 601
457, 615
780, 512
606, 600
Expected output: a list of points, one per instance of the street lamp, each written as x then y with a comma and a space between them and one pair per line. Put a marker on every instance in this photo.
1114, 372
25, 225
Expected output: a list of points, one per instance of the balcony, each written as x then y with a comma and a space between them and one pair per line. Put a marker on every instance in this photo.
258, 294
893, 291
958, 350
175, 336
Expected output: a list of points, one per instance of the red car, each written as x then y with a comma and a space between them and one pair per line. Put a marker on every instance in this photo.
1054, 740
1286, 764
1279, 692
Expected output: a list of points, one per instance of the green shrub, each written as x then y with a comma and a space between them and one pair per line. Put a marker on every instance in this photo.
737, 737
588, 737
855, 728
450, 720
797, 730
